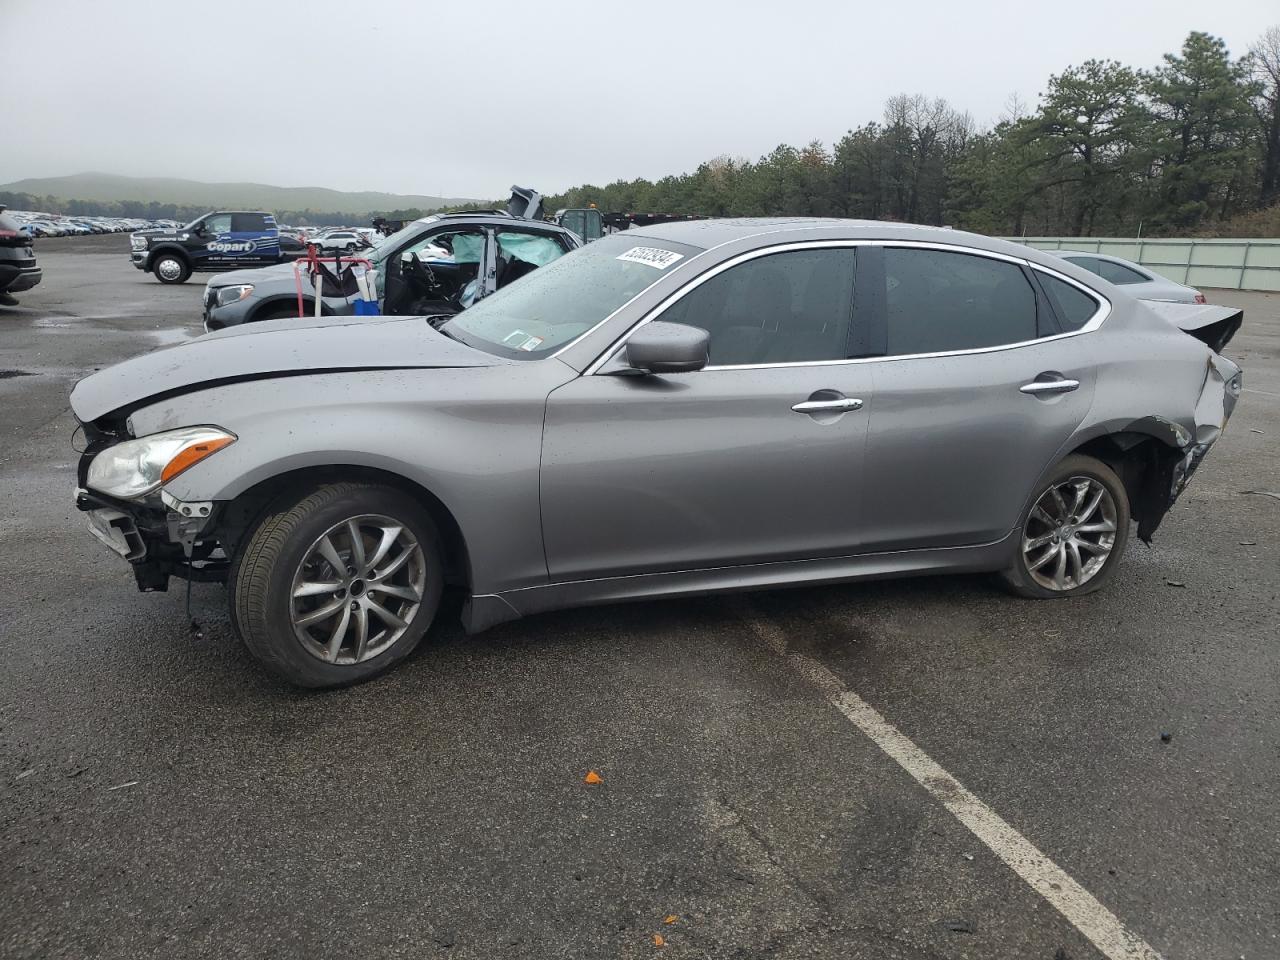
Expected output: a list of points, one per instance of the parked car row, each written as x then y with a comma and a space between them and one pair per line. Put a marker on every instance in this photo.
37, 224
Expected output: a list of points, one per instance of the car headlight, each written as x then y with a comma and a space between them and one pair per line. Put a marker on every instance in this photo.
233, 293
139, 243
135, 468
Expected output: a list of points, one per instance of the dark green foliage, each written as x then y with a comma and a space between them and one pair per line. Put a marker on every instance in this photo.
1109, 150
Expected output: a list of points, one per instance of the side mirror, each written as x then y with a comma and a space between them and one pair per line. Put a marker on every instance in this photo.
661, 347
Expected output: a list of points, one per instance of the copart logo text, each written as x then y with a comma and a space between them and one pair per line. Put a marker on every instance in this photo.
232, 246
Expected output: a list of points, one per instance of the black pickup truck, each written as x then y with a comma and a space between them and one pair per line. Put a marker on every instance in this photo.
223, 240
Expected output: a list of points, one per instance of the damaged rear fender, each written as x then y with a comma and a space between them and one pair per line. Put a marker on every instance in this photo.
1156, 473
1212, 325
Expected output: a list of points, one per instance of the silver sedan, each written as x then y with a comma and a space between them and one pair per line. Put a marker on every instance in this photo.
694, 407
1137, 280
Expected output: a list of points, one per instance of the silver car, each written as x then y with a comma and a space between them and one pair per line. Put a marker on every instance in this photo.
1137, 280
694, 407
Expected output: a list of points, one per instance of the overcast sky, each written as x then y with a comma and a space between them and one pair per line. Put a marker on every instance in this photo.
465, 98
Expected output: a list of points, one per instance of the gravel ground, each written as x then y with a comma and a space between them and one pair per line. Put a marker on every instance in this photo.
160, 796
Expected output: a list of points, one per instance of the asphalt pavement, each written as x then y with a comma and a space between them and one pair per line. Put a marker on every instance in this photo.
161, 796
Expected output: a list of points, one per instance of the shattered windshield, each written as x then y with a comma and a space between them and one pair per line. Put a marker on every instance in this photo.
564, 299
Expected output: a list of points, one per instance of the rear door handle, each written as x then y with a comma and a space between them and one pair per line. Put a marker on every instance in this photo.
817, 406
1040, 387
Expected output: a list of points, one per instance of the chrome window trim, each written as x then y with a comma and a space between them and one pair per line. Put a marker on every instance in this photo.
1094, 322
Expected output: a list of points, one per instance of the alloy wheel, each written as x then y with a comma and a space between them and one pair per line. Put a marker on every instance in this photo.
1069, 534
169, 269
357, 589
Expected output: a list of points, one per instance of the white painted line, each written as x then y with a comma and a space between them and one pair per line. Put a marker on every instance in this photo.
1073, 901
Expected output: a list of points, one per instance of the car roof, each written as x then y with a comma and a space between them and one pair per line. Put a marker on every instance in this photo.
714, 233
498, 219
1095, 254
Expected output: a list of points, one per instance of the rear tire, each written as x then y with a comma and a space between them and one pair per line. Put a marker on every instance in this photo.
317, 626
1072, 534
171, 268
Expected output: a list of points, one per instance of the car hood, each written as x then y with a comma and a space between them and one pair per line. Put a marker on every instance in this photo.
274, 348
278, 271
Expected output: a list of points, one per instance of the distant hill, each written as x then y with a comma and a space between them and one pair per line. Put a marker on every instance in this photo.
112, 188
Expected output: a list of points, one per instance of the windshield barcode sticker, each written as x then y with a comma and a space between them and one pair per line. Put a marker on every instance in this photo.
651, 256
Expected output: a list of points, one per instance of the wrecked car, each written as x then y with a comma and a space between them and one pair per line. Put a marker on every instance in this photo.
687, 408
436, 265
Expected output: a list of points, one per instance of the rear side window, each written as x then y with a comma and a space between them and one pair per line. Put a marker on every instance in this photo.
791, 307
1074, 307
1088, 263
248, 223
1119, 274
937, 301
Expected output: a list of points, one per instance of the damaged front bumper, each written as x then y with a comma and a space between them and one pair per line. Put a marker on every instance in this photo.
160, 538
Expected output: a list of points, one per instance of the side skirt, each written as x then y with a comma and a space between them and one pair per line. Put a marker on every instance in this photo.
487, 610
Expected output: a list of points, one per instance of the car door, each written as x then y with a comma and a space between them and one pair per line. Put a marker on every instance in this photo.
756, 458
211, 249
435, 272
256, 237
978, 389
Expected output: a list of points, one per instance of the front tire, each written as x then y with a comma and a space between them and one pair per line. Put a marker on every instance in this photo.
171, 268
338, 586
1072, 534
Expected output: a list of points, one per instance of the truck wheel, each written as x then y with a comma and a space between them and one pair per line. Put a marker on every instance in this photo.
339, 585
171, 268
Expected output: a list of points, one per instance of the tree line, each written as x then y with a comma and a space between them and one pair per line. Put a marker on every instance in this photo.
1183, 147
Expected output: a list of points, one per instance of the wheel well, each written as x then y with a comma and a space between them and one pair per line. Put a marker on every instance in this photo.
243, 514
1144, 465
269, 308
174, 251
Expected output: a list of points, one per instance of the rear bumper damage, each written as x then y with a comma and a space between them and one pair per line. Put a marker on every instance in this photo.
1174, 464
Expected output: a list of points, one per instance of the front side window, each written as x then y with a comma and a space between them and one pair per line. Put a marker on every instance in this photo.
789, 307
520, 253
937, 301
219, 223
444, 266
563, 300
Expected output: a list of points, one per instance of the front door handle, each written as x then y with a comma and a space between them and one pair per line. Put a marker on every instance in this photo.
1041, 387
818, 406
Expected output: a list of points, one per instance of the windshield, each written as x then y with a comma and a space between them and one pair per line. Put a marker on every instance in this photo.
563, 300
384, 245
